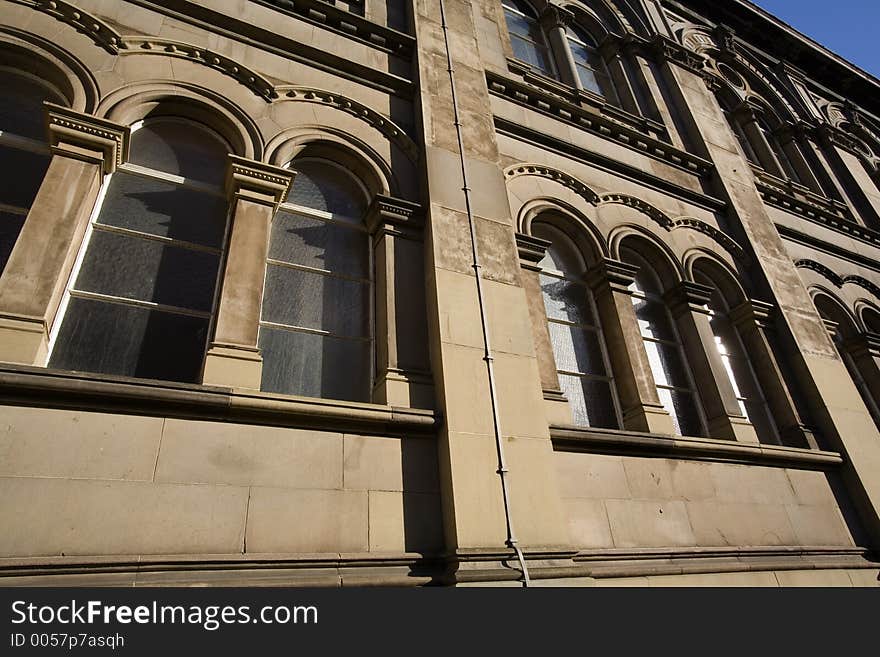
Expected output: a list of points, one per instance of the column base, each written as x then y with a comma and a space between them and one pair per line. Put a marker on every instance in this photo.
404, 388
735, 428
236, 366
649, 418
557, 407
23, 339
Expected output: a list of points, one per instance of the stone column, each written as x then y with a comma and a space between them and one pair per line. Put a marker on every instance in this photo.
688, 304
747, 115
611, 52
751, 319
847, 425
531, 251
554, 19
403, 375
789, 137
255, 190
642, 410
84, 149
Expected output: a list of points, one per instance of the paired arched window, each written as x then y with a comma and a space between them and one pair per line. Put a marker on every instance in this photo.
672, 375
526, 36
582, 363
24, 153
316, 326
144, 290
592, 72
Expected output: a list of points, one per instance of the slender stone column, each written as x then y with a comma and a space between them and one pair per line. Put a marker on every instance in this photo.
688, 304
402, 372
553, 20
790, 138
255, 190
84, 149
752, 320
642, 410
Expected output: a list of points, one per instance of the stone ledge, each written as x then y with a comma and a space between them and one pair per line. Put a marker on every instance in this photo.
35, 386
607, 441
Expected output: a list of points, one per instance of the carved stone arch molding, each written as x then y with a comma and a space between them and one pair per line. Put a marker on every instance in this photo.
839, 281
556, 175
321, 141
134, 102
672, 265
33, 54
584, 232
383, 124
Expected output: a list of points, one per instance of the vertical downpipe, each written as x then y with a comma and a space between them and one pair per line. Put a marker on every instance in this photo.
487, 345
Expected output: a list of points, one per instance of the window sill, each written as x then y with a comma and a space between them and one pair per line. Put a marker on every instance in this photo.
609, 441
35, 386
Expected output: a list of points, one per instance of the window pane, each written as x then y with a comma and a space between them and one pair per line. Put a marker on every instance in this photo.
113, 338
528, 52
576, 350
21, 106
147, 270
590, 401
566, 301
10, 227
314, 365
314, 243
328, 188
182, 148
683, 409
653, 319
163, 208
22, 174
316, 301
589, 80
667, 365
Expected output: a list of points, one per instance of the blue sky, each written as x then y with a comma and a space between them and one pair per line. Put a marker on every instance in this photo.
850, 28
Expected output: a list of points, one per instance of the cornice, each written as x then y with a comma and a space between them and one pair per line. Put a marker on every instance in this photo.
848, 255
604, 127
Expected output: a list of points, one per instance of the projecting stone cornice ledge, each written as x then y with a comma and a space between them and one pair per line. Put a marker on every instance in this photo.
24, 385
608, 441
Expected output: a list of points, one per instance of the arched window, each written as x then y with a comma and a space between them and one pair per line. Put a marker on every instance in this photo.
527, 37
24, 154
740, 373
787, 168
144, 292
575, 333
672, 376
316, 329
590, 67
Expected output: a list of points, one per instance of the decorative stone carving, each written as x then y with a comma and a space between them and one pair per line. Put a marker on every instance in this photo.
87, 137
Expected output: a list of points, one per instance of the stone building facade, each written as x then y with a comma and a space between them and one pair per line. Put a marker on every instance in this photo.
414, 292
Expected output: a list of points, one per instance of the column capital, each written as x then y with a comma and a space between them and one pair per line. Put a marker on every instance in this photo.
257, 182
393, 216
531, 250
752, 313
863, 343
617, 275
85, 137
555, 17
688, 296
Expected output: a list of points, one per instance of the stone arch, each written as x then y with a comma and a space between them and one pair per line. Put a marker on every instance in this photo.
725, 279
584, 233
650, 248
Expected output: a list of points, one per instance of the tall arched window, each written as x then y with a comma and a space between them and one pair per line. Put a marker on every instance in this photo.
575, 333
740, 373
145, 289
591, 69
672, 376
316, 329
24, 154
787, 168
527, 37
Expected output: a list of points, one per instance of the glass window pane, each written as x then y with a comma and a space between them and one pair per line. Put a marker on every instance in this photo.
182, 148
667, 365
591, 402
113, 338
328, 188
589, 80
147, 270
566, 301
22, 174
314, 243
21, 106
576, 350
163, 208
653, 319
532, 54
314, 365
10, 227
683, 409
310, 300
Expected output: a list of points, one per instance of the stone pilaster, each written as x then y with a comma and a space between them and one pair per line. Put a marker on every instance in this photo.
554, 20
84, 149
255, 190
642, 410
